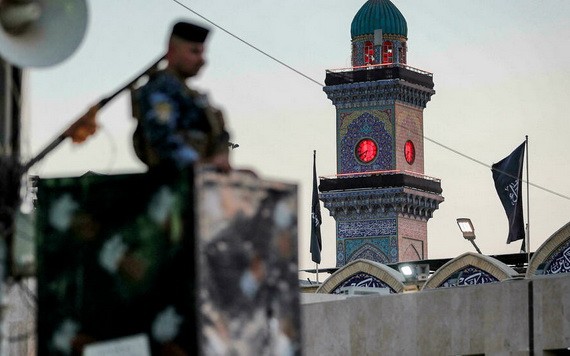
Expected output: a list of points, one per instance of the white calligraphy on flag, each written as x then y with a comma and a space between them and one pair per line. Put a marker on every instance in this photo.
513, 189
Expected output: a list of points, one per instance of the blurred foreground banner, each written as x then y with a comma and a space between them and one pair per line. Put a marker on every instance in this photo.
117, 271
249, 288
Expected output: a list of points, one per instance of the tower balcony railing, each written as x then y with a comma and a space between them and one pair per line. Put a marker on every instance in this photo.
382, 65
384, 172
376, 72
380, 179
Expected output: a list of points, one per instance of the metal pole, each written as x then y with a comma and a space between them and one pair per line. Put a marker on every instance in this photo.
317, 267
476, 247
6, 128
59, 139
527, 206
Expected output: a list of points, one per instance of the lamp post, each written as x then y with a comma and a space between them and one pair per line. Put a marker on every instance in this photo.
466, 227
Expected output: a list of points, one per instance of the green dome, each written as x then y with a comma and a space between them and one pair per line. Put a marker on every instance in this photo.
378, 14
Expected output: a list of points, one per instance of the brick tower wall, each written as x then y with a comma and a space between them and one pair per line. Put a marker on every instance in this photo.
412, 239
409, 126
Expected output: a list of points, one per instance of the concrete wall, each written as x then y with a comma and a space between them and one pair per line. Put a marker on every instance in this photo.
18, 319
490, 319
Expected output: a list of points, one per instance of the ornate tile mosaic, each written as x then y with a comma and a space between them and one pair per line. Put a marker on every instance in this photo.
370, 228
383, 250
353, 127
559, 261
362, 280
340, 260
468, 276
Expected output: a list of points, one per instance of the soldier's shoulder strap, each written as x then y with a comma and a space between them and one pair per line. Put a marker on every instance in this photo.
214, 115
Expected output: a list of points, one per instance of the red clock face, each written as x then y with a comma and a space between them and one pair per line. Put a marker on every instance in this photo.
409, 152
366, 150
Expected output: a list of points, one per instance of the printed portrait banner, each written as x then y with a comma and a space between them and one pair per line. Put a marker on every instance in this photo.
111, 263
249, 293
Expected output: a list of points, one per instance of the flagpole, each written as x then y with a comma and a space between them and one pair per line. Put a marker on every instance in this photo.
317, 266
527, 206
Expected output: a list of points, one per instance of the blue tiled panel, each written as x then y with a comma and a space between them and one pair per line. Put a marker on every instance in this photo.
362, 280
370, 228
365, 125
470, 275
559, 261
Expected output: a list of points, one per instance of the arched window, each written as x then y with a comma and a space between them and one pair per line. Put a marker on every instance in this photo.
387, 52
402, 53
368, 53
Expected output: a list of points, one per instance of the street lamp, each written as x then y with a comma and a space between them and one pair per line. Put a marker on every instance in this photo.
407, 270
466, 227
414, 272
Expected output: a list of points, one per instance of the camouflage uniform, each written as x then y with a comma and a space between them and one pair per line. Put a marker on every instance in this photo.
176, 125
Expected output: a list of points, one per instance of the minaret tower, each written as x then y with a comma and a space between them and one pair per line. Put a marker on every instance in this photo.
380, 198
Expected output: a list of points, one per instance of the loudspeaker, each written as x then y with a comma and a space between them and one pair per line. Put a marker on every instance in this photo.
41, 33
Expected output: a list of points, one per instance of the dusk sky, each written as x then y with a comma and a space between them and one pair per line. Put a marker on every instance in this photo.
501, 71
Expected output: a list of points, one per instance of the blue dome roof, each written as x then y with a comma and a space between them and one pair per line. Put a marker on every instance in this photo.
378, 14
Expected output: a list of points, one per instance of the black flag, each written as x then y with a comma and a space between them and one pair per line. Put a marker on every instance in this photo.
316, 243
507, 175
